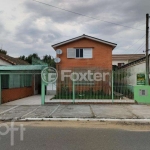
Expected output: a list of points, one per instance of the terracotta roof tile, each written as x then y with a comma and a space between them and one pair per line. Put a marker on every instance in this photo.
12, 60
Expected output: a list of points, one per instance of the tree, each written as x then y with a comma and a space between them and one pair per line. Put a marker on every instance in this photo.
22, 57
49, 60
29, 58
53, 64
3, 51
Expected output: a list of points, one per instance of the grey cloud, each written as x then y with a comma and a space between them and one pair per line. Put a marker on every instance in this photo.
3, 31
29, 33
30, 38
123, 9
1, 28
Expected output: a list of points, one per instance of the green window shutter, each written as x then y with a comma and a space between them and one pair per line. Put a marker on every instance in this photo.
5, 81
11, 82
27, 80
14, 81
30, 84
22, 78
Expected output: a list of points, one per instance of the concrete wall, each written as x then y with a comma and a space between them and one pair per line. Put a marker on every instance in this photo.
142, 98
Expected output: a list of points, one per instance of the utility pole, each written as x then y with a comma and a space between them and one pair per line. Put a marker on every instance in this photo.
147, 49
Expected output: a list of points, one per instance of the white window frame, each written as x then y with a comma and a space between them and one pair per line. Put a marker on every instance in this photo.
71, 53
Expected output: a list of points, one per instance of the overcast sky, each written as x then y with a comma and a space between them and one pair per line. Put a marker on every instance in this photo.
29, 27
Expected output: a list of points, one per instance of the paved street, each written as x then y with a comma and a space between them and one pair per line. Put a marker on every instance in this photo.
78, 136
75, 111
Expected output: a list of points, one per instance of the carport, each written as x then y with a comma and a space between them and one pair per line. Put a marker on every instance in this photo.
19, 71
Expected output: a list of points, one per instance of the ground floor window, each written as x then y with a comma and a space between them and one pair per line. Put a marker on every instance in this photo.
5, 81
16, 81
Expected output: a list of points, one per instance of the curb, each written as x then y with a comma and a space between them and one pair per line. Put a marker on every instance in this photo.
87, 119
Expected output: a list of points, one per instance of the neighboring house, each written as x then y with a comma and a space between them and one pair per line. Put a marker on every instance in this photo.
134, 68
122, 59
15, 86
85, 51
8, 60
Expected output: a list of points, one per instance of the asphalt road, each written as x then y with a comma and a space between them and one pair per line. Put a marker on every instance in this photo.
48, 136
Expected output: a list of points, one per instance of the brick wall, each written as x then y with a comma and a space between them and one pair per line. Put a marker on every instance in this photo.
102, 55
16, 93
12, 94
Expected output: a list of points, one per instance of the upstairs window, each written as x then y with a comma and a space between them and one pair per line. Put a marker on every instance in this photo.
79, 53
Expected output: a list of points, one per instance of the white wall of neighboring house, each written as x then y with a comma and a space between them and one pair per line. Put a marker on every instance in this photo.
133, 71
2, 62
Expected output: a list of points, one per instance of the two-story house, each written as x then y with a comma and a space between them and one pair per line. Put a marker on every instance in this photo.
85, 51
83, 54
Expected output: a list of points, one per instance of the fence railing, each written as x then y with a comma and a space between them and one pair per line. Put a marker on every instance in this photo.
122, 84
92, 83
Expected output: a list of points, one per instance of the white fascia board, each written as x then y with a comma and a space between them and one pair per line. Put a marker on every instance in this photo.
80, 37
111, 44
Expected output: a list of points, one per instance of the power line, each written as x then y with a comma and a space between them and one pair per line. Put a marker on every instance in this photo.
141, 25
136, 41
87, 16
139, 48
141, 45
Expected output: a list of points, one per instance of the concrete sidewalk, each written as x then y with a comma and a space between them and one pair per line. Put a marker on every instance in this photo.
31, 100
59, 112
36, 100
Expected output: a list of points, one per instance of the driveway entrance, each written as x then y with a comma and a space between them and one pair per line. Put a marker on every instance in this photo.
31, 100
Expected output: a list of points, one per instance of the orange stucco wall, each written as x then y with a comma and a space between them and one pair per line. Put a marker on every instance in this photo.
102, 55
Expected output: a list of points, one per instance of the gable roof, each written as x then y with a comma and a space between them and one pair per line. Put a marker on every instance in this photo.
13, 61
84, 36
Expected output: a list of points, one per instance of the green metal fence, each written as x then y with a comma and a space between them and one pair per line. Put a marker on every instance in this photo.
110, 84
122, 86
84, 83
